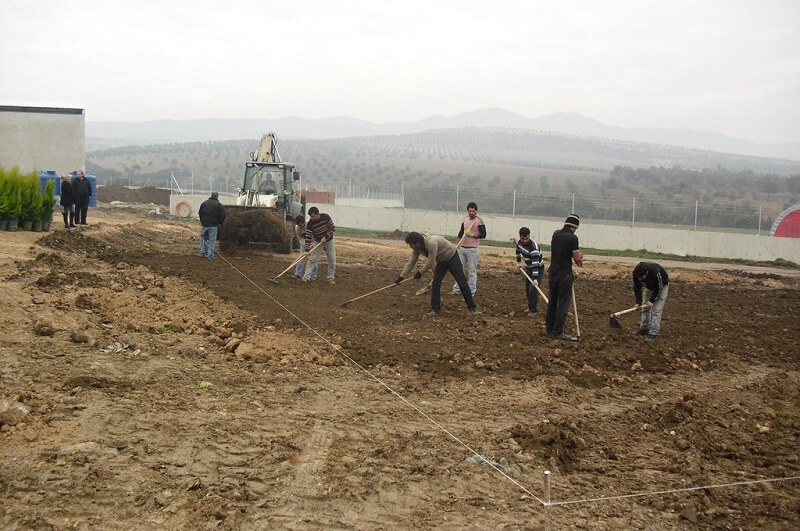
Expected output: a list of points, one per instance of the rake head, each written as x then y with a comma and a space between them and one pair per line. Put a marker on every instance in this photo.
274, 280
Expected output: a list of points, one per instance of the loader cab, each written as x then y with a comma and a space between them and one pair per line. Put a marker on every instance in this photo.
269, 184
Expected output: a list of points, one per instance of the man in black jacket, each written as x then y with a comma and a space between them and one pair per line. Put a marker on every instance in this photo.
81, 192
651, 284
212, 215
563, 250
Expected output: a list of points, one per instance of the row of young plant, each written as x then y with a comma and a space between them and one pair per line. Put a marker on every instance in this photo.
21, 201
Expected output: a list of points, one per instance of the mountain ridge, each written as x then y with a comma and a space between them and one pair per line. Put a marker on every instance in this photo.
294, 127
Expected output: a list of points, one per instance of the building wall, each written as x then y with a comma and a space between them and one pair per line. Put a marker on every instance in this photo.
42, 138
591, 234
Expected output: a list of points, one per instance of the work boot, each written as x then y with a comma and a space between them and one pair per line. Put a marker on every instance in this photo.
651, 337
474, 312
66, 225
564, 337
71, 219
640, 332
434, 313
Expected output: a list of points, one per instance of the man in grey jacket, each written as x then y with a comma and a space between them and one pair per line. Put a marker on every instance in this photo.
444, 256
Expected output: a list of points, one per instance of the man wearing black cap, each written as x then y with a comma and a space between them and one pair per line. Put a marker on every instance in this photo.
563, 250
650, 283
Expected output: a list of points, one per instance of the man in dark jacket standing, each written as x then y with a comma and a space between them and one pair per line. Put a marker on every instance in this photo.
651, 284
81, 192
212, 215
67, 202
563, 250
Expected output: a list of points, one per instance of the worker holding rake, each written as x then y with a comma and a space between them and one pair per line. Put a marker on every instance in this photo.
443, 255
528, 250
650, 283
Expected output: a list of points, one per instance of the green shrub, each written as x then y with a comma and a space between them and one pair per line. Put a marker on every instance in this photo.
49, 200
31, 199
12, 193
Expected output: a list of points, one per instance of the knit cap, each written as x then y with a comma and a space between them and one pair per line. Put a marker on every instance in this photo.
573, 220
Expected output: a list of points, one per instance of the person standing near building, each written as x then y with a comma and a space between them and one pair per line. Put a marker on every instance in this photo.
320, 229
212, 215
300, 234
441, 254
67, 202
528, 250
81, 192
563, 250
473, 230
651, 284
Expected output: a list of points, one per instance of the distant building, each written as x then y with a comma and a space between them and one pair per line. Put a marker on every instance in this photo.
42, 138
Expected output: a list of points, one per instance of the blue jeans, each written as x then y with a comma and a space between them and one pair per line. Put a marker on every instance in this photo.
208, 237
651, 317
313, 260
301, 266
469, 258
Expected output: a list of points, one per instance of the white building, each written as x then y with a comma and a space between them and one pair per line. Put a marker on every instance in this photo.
42, 138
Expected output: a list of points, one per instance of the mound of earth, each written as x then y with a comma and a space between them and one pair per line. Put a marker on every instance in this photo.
143, 195
244, 228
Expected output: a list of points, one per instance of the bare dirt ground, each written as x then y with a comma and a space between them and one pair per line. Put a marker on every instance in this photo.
142, 387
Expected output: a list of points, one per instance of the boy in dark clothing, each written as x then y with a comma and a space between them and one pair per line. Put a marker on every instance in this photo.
563, 250
651, 284
67, 202
528, 250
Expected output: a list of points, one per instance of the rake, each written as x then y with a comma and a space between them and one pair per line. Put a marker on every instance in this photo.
296, 261
613, 322
373, 292
535, 284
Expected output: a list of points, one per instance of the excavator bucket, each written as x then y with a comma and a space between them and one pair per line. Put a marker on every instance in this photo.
256, 226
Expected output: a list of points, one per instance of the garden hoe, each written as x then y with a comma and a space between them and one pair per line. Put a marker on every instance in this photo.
427, 286
575, 308
373, 292
613, 322
535, 284
274, 279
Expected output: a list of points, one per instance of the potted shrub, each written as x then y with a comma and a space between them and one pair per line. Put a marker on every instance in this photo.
48, 204
31, 202
4, 192
13, 194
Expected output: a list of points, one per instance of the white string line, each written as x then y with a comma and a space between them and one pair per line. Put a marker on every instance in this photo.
386, 386
672, 491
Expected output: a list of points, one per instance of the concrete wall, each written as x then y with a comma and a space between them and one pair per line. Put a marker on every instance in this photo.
42, 138
591, 234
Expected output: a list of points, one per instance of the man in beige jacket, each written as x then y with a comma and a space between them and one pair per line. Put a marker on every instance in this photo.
442, 254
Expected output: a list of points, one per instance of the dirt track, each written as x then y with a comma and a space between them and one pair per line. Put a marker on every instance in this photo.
140, 417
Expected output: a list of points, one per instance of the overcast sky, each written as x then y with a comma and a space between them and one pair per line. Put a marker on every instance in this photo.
717, 65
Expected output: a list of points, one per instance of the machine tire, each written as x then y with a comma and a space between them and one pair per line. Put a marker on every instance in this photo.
183, 209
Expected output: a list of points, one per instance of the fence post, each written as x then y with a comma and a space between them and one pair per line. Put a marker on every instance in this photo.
695, 216
633, 216
514, 205
456, 198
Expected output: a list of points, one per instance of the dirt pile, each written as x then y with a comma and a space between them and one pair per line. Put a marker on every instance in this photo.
143, 195
255, 226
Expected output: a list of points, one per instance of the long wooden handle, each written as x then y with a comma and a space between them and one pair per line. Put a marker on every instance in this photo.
373, 292
575, 308
296, 261
463, 236
629, 310
535, 285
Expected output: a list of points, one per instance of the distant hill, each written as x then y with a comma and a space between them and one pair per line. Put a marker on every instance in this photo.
106, 134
